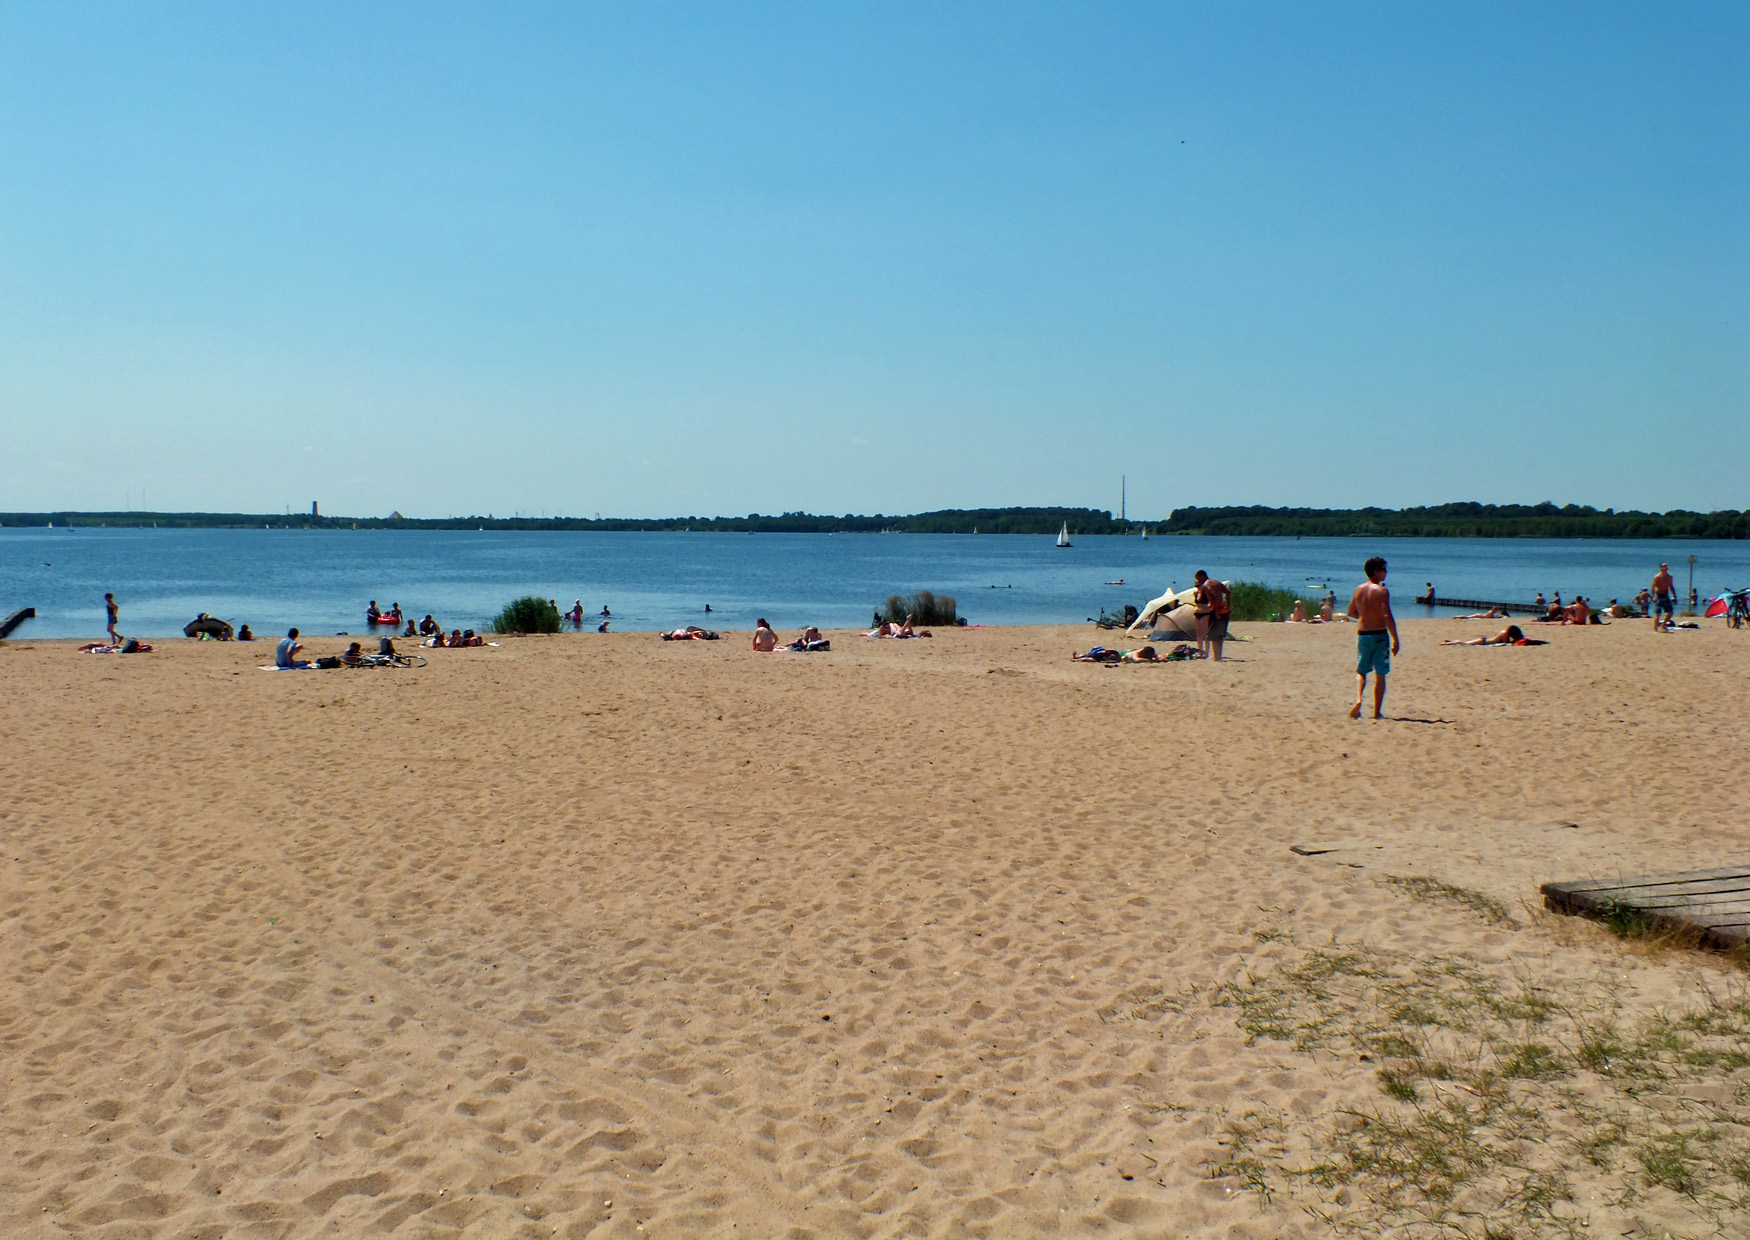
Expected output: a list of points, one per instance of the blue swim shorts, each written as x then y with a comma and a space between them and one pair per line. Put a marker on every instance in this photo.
1662, 603
1375, 653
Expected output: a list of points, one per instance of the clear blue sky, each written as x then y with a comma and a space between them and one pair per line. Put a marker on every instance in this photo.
696, 259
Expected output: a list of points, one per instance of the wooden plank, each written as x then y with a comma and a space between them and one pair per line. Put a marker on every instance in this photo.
1659, 895
1696, 909
1652, 880
1715, 903
1716, 890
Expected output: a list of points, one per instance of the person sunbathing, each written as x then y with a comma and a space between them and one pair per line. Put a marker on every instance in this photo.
764, 639
1298, 615
1142, 654
1326, 610
430, 628
1512, 635
244, 635
1494, 613
1578, 612
354, 655
692, 633
810, 640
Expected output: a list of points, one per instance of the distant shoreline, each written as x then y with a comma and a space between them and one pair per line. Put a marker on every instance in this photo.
1464, 520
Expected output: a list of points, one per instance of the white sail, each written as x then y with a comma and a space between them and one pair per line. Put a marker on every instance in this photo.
1063, 535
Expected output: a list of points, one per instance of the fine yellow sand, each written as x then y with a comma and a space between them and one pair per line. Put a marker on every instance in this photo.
596, 935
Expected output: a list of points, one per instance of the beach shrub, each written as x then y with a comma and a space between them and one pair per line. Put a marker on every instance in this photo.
527, 615
1253, 600
923, 607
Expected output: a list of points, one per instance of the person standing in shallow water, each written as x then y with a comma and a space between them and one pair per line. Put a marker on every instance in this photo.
1377, 638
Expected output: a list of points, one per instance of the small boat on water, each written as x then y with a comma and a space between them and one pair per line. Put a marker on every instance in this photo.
1063, 536
1145, 532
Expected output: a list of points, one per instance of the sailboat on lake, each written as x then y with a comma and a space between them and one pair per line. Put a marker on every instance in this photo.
1063, 535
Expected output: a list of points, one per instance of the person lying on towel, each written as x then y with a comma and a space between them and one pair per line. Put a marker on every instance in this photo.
1512, 635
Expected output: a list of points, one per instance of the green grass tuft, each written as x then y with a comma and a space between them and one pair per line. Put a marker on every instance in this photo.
527, 615
924, 607
1421, 887
1253, 600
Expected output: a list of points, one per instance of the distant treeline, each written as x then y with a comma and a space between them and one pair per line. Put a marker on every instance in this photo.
1440, 521
946, 521
1460, 521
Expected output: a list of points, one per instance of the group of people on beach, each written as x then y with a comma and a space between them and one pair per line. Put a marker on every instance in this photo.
1370, 606
1326, 614
765, 639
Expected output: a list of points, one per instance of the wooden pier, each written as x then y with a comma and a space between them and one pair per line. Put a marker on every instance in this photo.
14, 620
1474, 604
1715, 904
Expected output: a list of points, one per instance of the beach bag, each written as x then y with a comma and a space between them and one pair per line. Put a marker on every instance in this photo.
328, 661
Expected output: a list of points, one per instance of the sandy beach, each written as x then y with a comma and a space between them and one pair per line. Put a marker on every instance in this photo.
597, 935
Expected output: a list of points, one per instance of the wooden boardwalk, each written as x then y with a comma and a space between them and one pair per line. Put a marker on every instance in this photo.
1715, 903
1477, 604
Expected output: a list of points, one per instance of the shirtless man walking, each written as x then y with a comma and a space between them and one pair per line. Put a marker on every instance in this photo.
1378, 633
1664, 599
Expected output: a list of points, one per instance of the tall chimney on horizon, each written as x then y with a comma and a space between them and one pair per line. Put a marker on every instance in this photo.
314, 510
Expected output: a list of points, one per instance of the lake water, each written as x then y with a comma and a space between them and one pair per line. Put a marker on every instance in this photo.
320, 580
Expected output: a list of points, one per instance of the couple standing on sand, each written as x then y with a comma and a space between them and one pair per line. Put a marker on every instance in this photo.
1213, 604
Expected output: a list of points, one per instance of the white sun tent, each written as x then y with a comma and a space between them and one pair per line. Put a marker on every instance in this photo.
1177, 624
1172, 610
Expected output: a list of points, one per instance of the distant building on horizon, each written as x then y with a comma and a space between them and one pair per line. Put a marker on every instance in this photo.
314, 510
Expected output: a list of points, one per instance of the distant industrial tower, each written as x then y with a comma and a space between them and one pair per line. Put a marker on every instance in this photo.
314, 511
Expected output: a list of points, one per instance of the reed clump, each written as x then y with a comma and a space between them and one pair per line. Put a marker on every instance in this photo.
1253, 600
924, 607
527, 615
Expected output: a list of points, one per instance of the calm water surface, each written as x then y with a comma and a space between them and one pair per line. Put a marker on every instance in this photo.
320, 580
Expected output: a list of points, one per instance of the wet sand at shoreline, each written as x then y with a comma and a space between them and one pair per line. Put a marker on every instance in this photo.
600, 935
